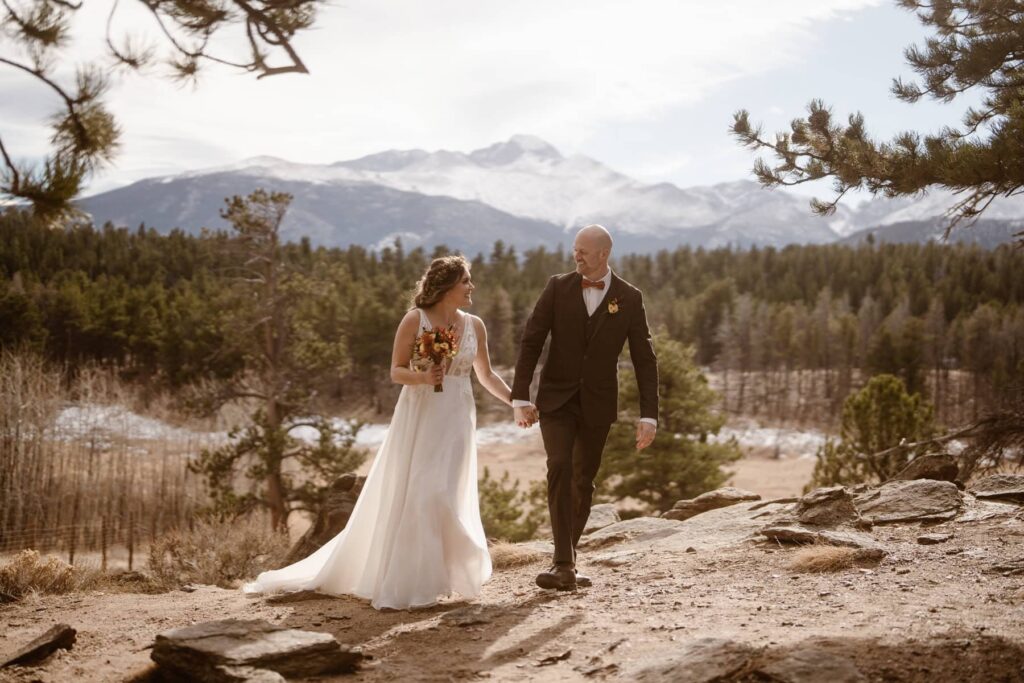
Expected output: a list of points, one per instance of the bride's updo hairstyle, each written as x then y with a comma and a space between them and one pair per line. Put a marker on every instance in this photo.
443, 274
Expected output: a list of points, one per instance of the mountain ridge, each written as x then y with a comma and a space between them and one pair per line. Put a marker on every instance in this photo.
519, 189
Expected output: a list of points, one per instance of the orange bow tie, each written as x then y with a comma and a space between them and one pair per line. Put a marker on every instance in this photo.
590, 283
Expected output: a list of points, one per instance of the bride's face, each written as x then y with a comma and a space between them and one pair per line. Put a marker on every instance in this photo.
462, 293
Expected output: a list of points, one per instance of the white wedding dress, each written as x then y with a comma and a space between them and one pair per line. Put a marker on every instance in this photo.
415, 532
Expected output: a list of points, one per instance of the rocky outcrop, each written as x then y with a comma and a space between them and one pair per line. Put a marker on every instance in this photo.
601, 515
711, 500
645, 528
829, 507
938, 466
331, 518
918, 500
249, 650
1008, 487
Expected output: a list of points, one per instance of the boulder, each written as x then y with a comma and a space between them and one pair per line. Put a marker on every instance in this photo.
711, 500
798, 533
1009, 487
829, 507
938, 466
806, 663
917, 500
331, 518
58, 637
244, 650
698, 661
601, 516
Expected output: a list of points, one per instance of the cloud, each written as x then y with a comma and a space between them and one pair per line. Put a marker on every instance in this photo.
458, 74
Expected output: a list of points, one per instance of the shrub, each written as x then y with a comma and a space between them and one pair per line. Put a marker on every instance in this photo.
875, 419
217, 553
28, 572
509, 514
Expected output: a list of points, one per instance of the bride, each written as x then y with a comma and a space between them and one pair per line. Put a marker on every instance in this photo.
415, 533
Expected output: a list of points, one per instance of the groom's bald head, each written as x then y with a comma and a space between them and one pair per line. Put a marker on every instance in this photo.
590, 250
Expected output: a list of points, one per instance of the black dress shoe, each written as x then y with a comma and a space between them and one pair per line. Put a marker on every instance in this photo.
583, 581
558, 577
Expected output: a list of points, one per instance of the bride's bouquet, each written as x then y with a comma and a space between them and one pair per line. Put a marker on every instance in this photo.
435, 345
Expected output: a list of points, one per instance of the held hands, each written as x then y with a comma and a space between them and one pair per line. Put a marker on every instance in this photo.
645, 433
525, 416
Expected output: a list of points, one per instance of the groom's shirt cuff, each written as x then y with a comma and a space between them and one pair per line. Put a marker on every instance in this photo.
650, 421
520, 403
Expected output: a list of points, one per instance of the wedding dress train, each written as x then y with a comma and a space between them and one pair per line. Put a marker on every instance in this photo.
415, 532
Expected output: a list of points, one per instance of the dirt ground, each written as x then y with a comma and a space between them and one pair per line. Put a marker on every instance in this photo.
925, 613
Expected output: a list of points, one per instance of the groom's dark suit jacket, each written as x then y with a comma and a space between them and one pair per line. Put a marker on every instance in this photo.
584, 350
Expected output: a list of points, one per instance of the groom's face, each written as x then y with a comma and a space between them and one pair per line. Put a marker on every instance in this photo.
591, 257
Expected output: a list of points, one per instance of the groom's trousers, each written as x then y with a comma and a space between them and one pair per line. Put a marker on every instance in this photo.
574, 445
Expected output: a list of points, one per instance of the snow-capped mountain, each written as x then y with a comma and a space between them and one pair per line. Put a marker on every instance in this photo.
523, 191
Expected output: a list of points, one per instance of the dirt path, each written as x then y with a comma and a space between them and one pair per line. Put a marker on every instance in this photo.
926, 613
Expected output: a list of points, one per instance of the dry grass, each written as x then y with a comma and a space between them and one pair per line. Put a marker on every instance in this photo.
78, 471
29, 572
217, 553
505, 555
829, 558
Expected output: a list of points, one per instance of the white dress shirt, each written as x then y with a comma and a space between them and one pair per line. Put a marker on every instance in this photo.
592, 298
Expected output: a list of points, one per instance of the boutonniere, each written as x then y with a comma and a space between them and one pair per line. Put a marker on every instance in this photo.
613, 306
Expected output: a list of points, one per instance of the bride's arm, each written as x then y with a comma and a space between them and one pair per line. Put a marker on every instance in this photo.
401, 354
489, 379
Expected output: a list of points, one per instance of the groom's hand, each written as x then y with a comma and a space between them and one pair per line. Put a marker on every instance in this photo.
525, 416
645, 433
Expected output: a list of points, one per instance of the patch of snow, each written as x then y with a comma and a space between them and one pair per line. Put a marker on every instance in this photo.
786, 442
103, 422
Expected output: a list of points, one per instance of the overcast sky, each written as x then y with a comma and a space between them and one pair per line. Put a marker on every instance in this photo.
647, 87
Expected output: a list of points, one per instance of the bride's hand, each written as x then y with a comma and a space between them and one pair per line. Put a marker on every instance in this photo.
435, 375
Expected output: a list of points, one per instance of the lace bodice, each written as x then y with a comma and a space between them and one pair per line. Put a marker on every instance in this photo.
462, 364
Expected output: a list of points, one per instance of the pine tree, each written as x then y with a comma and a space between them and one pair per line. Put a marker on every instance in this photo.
34, 37
276, 325
681, 463
976, 45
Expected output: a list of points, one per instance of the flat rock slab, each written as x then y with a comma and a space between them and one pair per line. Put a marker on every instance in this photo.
704, 660
711, 500
1008, 487
58, 637
216, 651
933, 539
916, 500
601, 516
938, 466
797, 533
637, 529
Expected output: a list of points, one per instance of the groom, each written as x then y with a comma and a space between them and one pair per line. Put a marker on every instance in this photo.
589, 313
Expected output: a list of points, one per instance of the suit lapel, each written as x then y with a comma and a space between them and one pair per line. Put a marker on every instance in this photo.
601, 314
